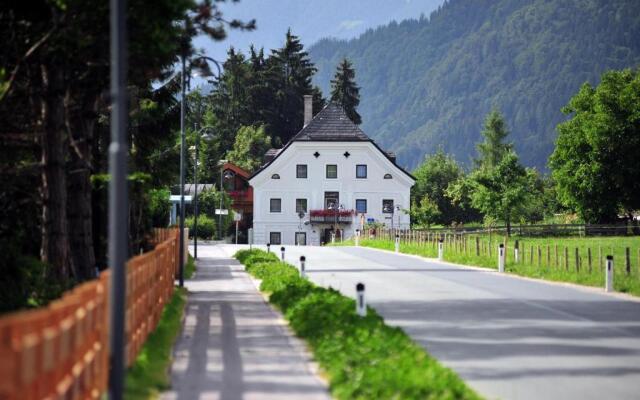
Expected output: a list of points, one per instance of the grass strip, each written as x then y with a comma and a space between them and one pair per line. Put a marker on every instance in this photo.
363, 357
542, 264
148, 375
190, 268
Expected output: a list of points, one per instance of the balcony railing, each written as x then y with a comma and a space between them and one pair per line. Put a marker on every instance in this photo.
331, 216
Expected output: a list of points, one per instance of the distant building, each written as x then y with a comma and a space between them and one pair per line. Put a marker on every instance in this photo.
330, 179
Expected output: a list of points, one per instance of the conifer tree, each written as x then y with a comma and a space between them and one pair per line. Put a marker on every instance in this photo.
344, 90
493, 148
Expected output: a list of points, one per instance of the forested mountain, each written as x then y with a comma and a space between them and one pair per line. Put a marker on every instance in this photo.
427, 83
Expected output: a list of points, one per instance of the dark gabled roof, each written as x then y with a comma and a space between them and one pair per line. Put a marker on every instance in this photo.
331, 124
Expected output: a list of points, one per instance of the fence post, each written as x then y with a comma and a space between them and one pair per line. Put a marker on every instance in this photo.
627, 253
548, 257
556, 256
361, 305
577, 260
531, 255
397, 244
477, 246
539, 256
566, 258
440, 249
501, 258
589, 258
609, 275
303, 260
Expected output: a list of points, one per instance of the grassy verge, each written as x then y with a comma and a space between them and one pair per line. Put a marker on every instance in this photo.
363, 357
190, 268
148, 376
538, 258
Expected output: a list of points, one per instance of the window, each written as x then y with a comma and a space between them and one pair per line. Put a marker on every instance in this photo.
275, 176
361, 171
332, 171
361, 205
301, 205
387, 206
301, 238
275, 238
275, 205
301, 171
388, 176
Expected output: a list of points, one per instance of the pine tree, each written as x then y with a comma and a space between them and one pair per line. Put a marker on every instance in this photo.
493, 148
288, 76
345, 92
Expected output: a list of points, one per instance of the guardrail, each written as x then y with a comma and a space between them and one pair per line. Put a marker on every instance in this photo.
62, 350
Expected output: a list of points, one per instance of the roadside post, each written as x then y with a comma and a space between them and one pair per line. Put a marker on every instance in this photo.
501, 258
397, 243
357, 237
250, 238
516, 256
333, 237
303, 260
361, 305
440, 249
268, 247
237, 217
608, 285
282, 253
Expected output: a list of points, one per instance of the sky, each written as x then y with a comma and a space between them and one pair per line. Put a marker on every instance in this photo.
311, 20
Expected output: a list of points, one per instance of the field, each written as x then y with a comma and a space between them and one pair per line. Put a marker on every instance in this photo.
568, 259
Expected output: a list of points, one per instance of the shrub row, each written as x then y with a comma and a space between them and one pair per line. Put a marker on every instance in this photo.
363, 357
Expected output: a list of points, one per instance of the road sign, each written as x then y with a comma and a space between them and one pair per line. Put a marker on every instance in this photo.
237, 216
371, 220
222, 212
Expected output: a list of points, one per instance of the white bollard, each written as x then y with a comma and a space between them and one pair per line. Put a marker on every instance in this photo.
361, 305
303, 260
250, 234
357, 237
608, 284
501, 258
440, 249
282, 253
268, 247
333, 238
397, 243
516, 255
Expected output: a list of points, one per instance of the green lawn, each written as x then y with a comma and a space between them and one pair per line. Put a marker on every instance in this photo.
362, 356
149, 374
547, 266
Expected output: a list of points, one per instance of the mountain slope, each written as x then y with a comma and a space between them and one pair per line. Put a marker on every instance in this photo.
428, 83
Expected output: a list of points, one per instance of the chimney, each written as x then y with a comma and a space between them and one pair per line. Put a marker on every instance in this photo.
308, 109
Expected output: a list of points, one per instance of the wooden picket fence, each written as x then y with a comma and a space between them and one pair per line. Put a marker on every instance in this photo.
61, 351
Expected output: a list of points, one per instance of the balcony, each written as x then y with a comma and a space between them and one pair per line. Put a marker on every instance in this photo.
331, 216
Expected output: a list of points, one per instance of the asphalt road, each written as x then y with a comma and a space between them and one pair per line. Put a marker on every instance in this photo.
508, 337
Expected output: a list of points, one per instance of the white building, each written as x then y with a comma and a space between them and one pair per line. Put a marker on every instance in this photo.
329, 178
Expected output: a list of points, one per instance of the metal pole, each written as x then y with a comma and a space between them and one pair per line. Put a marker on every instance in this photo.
182, 146
195, 200
118, 196
220, 215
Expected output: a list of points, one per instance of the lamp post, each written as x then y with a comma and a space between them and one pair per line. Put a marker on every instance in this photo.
204, 71
223, 176
195, 188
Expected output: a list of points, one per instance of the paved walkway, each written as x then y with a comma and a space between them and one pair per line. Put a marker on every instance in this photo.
233, 345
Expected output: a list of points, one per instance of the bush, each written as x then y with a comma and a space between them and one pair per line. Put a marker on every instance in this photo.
159, 207
206, 226
363, 357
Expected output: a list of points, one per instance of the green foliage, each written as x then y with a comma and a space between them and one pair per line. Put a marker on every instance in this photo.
206, 226
493, 148
595, 163
159, 206
148, 376
429, 82
506, 192
249, 148
345, 92
209, 201
362, 356
424, 213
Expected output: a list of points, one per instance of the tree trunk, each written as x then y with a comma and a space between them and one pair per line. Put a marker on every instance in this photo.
55, 250
80, 124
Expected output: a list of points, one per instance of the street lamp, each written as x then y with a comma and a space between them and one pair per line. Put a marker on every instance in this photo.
223, 175
201, 64
206, 136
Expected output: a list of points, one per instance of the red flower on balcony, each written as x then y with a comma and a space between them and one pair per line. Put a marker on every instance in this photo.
331, 213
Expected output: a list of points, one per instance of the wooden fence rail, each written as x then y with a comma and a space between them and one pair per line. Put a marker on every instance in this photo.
61, 351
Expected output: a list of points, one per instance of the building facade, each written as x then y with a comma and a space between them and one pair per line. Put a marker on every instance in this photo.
328, 181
